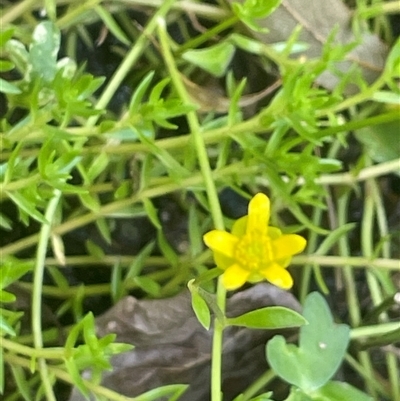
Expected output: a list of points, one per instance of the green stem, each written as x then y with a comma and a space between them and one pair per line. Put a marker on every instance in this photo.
373, 331
356, 99
385, 281
194, 128
355, 261
37, 292
216, 362
344, 249
365, 12
49, 353
19, 184
258, 385
15, 11
96, 389
130, 59
209, 34
124, 203
211, 136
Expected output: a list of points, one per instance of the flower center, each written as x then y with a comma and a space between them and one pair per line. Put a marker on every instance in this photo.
254, 251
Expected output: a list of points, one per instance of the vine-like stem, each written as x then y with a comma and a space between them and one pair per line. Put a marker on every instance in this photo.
37, 292
198, 140
16, 11
210, 136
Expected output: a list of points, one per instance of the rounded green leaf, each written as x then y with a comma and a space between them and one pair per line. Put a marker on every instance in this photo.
320, 352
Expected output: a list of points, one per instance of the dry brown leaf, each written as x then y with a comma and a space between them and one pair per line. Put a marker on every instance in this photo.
171, 347
318, 19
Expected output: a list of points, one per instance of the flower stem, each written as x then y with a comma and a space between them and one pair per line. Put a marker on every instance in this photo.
216, 361
212, 194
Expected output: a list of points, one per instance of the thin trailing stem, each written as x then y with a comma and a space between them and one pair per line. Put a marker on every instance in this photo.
44, 237
216, 362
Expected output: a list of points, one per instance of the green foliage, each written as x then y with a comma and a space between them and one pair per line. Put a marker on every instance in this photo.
272, 317
214, 59
95, 353
198, 117
322, 346
254, 9
339, 391
200, 306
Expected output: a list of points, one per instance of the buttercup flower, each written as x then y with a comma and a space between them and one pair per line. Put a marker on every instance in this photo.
254, 251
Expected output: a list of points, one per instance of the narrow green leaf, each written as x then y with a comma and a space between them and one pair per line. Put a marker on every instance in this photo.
214, 59
200, 306
117, 291
139, 93
156, 92
271, 317
89, 332
97, 166
58, 277
94, 250
324, 247
112, 25
172, 165
173, 391
166, 249
6, 35
5, 222
11, 269
387, 97
21, 382
195, 232
137, 265
148, 285
5, 327
152, 213
104, 229
26, 206
7, 87
339, 391
7, 297
123, 191
251, 10
89, 201
392, 65
76, 377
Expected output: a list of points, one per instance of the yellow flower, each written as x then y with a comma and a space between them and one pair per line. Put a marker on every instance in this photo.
254, 251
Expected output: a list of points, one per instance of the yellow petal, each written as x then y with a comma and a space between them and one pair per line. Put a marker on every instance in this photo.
234, 277
278, 276
221, 242
239, 227
258, 217
288, 245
